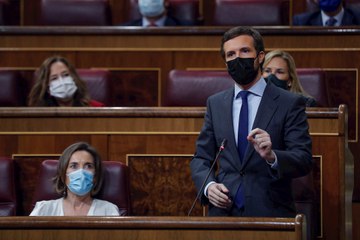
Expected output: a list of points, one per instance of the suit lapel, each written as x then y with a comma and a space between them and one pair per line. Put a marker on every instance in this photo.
265, 113
317, 20
348, 18
226, 110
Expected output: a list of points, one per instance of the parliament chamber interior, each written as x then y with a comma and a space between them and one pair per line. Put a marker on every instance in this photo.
154, 83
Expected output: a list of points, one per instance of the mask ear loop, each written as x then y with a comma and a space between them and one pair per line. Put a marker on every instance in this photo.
289, 83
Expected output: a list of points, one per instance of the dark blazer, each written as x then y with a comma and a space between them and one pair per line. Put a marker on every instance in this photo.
170, 21
351, 17
267, 191
310, 102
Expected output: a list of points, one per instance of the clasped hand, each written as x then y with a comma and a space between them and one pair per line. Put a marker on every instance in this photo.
261, 141
218, 195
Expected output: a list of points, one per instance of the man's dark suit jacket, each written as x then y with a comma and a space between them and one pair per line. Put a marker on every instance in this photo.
351, 17
268, 192
170, 21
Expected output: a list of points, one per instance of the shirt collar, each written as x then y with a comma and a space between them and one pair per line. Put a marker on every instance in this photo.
257, 89
338, 17
160, 22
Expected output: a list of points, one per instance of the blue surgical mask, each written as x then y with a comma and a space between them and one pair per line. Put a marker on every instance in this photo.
151, 8
329, 5
81, 182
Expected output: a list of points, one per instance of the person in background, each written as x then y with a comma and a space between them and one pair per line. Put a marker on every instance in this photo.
279, 68
58, 84
267, 133
155, 14
331, 13
78, 179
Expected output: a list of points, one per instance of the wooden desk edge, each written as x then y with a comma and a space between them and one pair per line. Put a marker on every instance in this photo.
25, 222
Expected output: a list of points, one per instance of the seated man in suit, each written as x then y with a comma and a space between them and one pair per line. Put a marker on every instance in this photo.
154, 14
330, 13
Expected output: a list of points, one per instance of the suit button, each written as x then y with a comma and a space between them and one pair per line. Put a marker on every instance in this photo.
242, 173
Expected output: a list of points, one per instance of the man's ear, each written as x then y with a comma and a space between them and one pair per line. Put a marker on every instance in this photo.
261, 57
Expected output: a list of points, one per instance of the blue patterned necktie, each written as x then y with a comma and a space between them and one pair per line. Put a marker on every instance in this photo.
242, 141
243, 124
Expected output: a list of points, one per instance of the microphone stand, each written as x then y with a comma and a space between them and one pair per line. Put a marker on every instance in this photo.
222, 147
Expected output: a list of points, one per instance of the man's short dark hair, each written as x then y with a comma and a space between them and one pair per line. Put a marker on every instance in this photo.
238, 31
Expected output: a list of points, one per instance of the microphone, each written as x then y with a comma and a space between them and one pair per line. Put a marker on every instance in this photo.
221, 148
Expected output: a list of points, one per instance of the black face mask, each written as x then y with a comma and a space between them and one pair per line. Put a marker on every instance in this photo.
242, 70
279, 83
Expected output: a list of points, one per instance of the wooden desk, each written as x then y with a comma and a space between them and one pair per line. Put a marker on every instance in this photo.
159, 228
153, 140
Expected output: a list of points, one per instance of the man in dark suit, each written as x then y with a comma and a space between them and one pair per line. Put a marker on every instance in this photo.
154, 14
252, 179
330, 13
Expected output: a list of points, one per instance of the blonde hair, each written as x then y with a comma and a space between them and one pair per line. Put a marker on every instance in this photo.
295, 85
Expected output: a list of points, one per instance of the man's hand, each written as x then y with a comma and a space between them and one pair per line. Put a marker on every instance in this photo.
261, 141
218, 195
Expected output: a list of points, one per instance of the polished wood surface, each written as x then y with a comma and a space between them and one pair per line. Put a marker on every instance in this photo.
150, 140
189, 228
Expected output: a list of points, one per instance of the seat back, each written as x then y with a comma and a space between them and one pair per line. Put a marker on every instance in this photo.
312, 5
305, 201
314, 83
115, 187
99, 84
12, 90
8, 201
183, 10
75, 12
251, 12
192, 88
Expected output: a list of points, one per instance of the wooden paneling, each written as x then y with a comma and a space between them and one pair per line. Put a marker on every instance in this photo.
356, 220
160, 141
160, 186
136, 87
30, 12
118, 10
